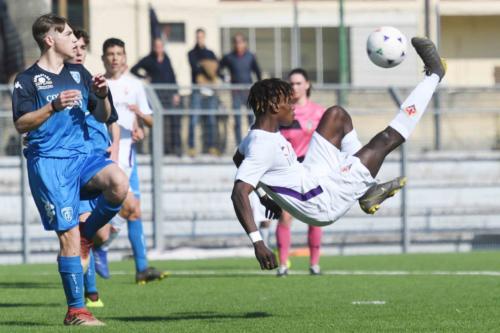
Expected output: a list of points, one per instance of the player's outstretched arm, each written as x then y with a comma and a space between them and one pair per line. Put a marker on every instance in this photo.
243, 210
32, 120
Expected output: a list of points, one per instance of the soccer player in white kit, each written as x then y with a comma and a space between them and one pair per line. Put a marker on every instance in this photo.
325, 186
131, 103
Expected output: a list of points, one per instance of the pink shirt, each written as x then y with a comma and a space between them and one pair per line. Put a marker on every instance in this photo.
306, 120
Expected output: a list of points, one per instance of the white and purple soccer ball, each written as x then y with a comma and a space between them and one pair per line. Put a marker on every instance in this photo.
386, 47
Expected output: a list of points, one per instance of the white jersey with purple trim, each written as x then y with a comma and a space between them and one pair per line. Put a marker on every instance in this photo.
127, 90
318, 191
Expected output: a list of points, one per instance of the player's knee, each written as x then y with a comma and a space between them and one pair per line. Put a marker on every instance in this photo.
119, 186
135, 215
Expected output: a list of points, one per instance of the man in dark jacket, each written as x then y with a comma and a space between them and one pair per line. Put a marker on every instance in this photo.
156, 67
204, 67
241, 63
11, 48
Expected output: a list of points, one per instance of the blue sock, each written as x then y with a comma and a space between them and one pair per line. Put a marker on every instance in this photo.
71, 271
136, 238
89, 276
102, 214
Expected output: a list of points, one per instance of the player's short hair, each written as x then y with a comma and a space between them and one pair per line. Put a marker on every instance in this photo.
200, 30
43, 24
267, 94
80, 33
110, 42
302, 72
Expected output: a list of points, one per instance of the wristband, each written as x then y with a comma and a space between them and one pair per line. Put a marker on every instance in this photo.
53, 104
102, 97
255, 236
260, 192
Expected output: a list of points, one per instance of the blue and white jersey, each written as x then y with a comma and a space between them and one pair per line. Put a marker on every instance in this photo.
98, 132
65, 133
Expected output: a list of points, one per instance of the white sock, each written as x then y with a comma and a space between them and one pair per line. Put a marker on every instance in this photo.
117, 223
414, 106
350, 143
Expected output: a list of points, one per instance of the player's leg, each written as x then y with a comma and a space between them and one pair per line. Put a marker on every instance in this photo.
89, 279
144, 273
283, 241
411, 111
112, 182
55, 188
314, 242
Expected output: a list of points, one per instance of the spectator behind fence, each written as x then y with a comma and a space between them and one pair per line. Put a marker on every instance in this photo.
204, 68
241, 63
158, 69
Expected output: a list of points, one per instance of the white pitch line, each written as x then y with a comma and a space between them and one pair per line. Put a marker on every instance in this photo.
368, 302
303, 272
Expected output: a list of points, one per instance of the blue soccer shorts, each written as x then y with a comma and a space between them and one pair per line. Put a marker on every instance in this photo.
56, 184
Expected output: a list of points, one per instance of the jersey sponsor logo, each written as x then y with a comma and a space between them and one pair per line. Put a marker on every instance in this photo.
410, 110
18, 85
53, 97
42, 82
67, 213
76, 76
50, 211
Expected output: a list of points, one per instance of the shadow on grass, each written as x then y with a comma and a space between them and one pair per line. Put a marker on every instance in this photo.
193, 316
21, 323
28, 285
27, 305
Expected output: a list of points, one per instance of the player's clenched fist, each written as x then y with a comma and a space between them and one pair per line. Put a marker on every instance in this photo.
266, 257
100, 86
67, 98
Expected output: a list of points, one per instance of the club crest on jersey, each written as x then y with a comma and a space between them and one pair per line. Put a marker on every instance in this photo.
42, 82
76, 76
411, 110
67, 213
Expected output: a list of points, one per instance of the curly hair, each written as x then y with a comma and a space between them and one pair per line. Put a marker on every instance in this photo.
267, 94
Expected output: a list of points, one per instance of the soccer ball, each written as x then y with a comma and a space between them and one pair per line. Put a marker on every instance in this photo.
386, 47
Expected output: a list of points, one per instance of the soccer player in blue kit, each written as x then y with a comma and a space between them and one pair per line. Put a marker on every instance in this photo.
101, 143
49, 103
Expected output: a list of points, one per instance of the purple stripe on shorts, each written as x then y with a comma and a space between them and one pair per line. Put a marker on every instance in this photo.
297, 195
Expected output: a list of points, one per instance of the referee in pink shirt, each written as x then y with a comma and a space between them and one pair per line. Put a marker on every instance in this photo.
307, 117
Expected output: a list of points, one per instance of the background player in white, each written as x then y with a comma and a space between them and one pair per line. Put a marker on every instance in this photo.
133, 110
325, 186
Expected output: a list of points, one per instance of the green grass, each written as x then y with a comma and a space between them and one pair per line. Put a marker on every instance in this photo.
230, 295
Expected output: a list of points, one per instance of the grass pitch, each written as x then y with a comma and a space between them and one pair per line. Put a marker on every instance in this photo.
391, 293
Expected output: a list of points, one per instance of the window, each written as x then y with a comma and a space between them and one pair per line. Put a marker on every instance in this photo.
273, 48
174, 32
76, 11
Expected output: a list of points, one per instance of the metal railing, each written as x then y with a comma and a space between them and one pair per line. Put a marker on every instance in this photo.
470, 123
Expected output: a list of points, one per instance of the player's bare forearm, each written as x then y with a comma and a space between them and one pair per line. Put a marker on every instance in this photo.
103, 110
114, 130
238, 158
241, 203
32, 120
242, 207
147, 119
